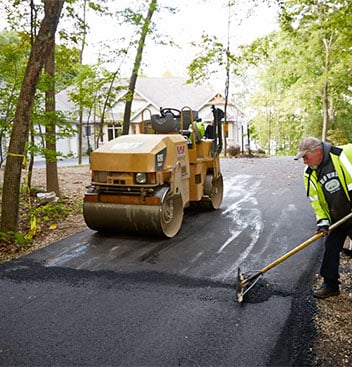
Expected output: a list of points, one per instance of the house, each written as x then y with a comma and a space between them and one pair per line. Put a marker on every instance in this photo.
150, 95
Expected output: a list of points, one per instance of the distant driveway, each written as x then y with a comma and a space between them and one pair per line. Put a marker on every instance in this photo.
40, 162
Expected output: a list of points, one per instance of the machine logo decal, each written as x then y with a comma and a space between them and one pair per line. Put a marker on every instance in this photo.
160, 159
180, 149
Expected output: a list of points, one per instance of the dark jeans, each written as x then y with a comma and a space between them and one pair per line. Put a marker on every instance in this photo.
333, 244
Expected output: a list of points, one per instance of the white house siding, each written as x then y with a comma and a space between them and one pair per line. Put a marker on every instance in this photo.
68, 145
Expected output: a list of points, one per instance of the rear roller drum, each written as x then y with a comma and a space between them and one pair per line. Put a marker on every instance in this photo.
171, 215
213, 189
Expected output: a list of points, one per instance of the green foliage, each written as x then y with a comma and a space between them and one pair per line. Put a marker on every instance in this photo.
280, 78
36, 218
206, 63
293, 65
38, 214
92, 91
66, 63
13, 238
51, 212
14, 51
132, 16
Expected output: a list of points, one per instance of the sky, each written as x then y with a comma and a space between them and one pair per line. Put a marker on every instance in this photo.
193, 18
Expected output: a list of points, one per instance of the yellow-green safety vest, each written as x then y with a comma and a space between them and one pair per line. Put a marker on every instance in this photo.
343, 166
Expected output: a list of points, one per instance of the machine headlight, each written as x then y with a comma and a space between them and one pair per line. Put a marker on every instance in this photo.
141, 178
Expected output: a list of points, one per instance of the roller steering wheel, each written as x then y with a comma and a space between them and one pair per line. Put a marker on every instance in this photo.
173, 111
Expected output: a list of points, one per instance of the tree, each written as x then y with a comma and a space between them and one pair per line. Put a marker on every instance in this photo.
272, 102
321, 42
137, 63
299, 76
52, 179
83, 44
20, 130
14, 52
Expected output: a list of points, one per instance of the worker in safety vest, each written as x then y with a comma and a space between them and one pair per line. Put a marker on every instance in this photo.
209, 131
328, 183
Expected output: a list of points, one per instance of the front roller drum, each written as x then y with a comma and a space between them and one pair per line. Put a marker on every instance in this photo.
165, 219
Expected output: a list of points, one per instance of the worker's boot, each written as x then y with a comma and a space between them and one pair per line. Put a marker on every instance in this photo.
325, 292
348, 250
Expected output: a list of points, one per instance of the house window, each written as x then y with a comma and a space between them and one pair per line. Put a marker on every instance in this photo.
114, 130
88, 130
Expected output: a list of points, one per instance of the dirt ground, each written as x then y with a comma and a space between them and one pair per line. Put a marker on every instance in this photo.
332, 321
72, 182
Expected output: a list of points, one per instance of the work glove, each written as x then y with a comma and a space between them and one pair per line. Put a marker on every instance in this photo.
323, 226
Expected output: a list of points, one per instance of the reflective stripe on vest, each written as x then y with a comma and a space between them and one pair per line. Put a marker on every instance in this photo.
344, 160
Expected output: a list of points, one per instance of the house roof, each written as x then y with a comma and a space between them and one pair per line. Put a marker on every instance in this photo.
176, 93
173, 92
155, 93
63, 101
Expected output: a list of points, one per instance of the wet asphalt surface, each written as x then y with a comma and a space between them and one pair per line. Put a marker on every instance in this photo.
122, 300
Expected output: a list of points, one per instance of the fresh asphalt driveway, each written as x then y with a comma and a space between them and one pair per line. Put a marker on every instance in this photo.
119, 300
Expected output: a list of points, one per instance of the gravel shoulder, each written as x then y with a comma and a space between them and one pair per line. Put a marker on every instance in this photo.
332, 321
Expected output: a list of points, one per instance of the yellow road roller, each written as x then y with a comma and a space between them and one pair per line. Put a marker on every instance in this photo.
141, 183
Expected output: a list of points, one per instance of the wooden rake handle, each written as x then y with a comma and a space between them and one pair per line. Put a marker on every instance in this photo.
304, 244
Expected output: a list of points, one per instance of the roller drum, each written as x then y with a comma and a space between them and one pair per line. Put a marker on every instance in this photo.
165, 219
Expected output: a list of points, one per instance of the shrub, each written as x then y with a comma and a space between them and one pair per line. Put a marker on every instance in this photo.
233, 151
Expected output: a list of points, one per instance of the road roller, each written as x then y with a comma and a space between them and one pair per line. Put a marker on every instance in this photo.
142, 182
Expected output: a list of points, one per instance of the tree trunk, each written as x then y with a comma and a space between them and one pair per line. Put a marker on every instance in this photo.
80, 121
52, 178
325, 111
325, 96
19, 134
137, 64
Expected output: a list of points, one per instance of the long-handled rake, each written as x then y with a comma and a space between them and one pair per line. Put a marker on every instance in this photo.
244, 284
